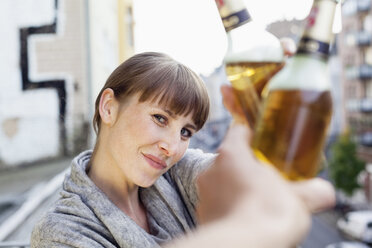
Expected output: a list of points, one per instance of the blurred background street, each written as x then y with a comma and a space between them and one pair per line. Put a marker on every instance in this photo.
57, 54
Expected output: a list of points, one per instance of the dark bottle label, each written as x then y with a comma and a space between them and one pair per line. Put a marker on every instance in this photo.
233, 13
313, 47
318, 31
236, 19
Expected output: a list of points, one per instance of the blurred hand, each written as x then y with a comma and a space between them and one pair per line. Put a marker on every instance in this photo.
232, 104
246, 199
289, 46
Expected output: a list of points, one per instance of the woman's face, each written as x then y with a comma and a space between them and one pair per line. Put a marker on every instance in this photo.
147, 139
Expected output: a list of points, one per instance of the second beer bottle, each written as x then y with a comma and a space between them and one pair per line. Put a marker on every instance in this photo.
297, 111
253, 56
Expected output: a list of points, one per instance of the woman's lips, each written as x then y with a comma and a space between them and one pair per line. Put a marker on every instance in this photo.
155, 162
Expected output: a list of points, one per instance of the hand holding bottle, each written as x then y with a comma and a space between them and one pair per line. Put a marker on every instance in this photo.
290, 127
239, 208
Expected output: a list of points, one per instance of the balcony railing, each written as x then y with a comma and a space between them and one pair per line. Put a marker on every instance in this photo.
366, 139
363, 71
360, 38
366, 105
351, 7
360, 105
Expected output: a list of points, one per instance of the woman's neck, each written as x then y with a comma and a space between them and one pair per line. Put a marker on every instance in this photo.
110, 179
108, 176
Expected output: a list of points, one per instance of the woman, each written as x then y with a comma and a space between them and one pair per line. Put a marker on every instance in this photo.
136, 188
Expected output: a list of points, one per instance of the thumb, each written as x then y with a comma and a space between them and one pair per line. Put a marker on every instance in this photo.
316, 193
231, 104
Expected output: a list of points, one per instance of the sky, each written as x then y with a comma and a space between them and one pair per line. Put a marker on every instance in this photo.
191, 31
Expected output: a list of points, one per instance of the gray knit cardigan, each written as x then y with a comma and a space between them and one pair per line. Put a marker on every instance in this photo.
84, 217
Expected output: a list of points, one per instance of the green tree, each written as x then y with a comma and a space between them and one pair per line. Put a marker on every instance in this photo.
344, 164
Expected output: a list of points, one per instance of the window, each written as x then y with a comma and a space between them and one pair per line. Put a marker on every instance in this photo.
366, 105
349, 7
366, 139
369, 90
364, 5
365, 71
367, 24
360, 38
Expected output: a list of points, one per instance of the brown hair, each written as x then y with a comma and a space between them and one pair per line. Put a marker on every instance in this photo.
158, 77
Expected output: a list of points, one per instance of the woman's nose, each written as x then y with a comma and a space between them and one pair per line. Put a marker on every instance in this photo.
169, 145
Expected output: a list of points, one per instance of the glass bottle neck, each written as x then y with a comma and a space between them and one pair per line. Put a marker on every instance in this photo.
318, 31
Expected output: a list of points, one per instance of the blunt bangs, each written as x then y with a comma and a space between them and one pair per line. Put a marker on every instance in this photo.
158, 78
180, 90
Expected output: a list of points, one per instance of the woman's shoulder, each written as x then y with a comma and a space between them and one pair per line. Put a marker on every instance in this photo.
69, 210
193, 161
68, 223
185, 172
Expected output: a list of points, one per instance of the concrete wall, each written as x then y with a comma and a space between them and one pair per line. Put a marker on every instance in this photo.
356, 88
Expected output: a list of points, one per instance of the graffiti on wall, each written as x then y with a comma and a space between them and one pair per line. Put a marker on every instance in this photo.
43, 92
58, 85
51, 61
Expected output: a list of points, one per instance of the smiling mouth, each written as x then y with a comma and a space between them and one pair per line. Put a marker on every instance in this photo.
155, 162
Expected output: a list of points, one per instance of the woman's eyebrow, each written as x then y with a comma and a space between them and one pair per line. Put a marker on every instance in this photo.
191, 126
171, 114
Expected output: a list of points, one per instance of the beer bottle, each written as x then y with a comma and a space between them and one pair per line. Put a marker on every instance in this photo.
292, 128
253, 56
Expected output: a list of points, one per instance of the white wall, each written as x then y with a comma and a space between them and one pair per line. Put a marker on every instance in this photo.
103, 41
28, 119
104, 47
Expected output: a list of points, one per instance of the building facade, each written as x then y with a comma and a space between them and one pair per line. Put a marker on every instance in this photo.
56, 55
355, 50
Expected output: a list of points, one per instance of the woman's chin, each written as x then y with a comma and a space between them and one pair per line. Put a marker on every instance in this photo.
146, 183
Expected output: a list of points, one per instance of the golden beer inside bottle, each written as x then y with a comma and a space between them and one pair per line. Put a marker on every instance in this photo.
249, 80
292, 131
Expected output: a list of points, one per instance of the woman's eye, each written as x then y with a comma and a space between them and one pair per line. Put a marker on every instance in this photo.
186, 133
160, 119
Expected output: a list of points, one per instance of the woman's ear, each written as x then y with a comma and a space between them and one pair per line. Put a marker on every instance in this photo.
108, 107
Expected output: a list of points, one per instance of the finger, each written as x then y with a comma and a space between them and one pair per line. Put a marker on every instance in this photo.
228, 98
289, 46
231, 104
317, 194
